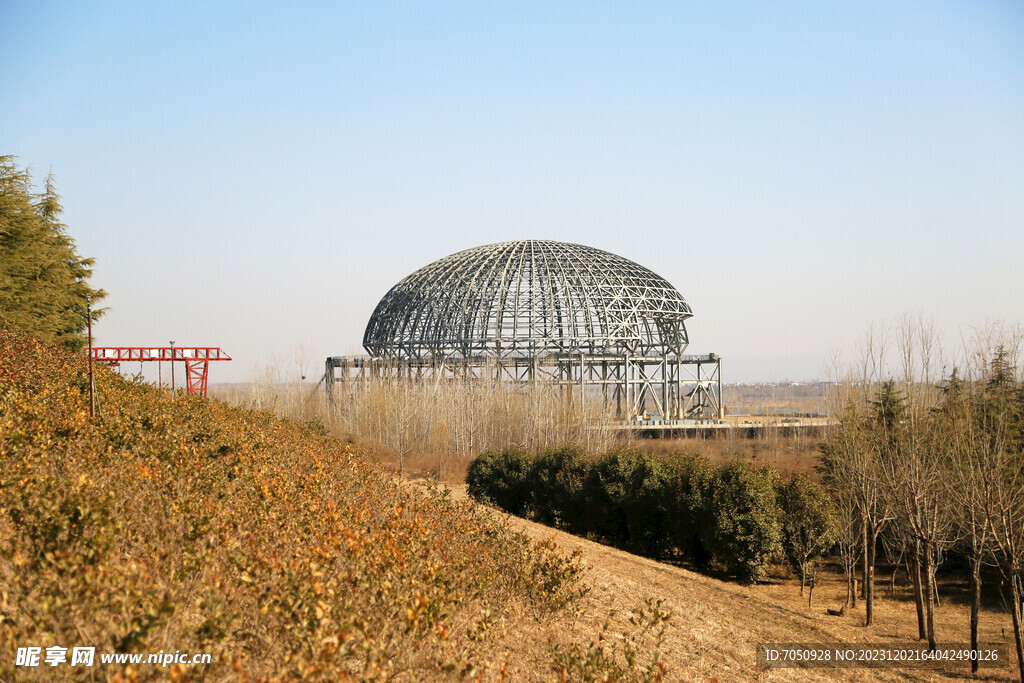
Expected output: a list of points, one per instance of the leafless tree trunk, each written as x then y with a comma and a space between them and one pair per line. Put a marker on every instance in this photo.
915, 568
929, 580
848, 521
1015, 612
975, 603
894, 546
865, 571
869, 600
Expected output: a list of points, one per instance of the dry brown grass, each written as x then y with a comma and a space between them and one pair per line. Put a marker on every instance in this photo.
436, 427
717, 624
788, 453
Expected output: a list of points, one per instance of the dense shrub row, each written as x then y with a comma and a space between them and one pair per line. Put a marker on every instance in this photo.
729, 515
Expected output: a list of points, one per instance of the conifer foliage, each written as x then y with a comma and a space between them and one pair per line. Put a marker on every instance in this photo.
683, 507
44, 284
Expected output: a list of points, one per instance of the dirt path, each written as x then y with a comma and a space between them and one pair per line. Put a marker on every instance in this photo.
716, 625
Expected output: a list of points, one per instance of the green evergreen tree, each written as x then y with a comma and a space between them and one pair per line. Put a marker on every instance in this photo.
890, 410
808, 525
44, 286
744, 529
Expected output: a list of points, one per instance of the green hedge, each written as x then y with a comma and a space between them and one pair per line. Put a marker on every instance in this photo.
503, 479
745, 532
681, 506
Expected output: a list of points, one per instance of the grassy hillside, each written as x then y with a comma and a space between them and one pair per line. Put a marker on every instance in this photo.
189, 525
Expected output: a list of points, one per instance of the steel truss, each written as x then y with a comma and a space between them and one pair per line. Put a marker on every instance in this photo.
672, 388
529, 298
537, 310
196, 358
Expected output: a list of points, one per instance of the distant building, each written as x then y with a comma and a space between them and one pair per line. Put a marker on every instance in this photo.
535, 310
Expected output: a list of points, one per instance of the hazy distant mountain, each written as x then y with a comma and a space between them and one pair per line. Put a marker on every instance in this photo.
740, 369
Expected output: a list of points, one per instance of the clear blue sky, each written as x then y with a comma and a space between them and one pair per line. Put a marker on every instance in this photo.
256, 176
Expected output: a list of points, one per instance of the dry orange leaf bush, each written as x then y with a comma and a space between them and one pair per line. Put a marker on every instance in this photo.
190, 525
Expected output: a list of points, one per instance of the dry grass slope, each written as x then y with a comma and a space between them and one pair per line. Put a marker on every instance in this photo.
717, 625
190, 525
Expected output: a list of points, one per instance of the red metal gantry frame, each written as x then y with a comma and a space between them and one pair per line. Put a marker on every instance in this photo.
196, 358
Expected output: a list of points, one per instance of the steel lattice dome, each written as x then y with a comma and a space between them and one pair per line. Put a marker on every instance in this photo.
529, 298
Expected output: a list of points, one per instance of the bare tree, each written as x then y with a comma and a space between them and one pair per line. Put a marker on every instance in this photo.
947, 456
848, 540
894, 545
1001, 452
969, 482
910, 438
849, 464
913, 466
850, 460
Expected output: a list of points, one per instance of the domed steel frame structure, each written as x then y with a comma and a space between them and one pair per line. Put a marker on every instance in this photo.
542, 310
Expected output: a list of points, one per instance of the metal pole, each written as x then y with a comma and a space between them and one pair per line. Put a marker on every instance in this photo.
721, 401
92, 380
665, 415
172, 369
329, 379
583, 388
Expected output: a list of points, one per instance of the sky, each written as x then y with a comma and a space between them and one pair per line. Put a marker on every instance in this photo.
256, 176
